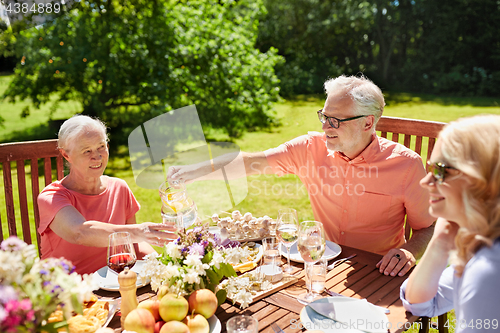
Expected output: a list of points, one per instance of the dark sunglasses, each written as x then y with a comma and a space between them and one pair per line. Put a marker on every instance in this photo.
439, 171
335, 122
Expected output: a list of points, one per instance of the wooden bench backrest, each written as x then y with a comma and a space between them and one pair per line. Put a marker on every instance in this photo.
408, 128
26, 152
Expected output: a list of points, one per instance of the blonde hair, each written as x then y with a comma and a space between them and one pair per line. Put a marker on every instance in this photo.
472, 145
366, 97
75, 126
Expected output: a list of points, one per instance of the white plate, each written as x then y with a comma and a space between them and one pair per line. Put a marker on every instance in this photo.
108, 280
215, 325
216, 230
332, 250
358, 314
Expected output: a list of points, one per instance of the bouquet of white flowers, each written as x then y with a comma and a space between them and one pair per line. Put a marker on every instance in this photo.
31, 289
197, 260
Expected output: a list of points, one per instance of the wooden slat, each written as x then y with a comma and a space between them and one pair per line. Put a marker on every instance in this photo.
35, 190
60, 167
430, 148
47, 167
410, 126
23, 201
28, 150
9, 199
383, 134
395, 137
418, 145
407, 141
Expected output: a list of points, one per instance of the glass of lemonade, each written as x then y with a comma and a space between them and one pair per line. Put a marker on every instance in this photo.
178, 209
287, 231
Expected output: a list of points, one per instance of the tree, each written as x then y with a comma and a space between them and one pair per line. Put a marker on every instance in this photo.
130, 60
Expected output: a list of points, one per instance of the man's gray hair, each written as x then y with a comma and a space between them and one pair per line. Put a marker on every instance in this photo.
367, 98
75, 126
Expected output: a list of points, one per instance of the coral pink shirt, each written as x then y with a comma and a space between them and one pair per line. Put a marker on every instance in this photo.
115, 205
361, 202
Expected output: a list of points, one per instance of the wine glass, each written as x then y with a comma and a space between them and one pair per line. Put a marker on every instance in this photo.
311, 244
287, 231
121, 252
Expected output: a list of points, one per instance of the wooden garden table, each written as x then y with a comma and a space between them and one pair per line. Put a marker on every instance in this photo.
357, 278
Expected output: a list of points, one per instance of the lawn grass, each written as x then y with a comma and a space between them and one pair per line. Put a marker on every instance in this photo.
36, 126
266, 194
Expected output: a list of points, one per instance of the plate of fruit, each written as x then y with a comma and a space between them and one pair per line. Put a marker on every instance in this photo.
172, 313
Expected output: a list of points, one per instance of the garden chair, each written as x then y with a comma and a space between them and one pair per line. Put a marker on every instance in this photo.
26, 155
420, 129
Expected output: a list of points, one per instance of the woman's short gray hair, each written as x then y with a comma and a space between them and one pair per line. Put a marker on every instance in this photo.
367, 98
75, 126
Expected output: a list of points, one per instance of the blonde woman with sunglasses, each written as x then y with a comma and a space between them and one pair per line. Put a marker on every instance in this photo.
464, 188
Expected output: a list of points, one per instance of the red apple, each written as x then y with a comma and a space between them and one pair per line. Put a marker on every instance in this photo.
159, 325
204, 302
173, 307
197, 324
174, 326
140, 321
153, 306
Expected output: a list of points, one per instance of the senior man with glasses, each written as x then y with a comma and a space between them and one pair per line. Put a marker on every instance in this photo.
361, 186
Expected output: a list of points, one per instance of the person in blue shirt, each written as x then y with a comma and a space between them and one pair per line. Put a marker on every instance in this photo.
464, 187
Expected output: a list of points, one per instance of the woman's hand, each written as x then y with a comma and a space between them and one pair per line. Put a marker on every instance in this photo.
444, 235
424, 280
157, 234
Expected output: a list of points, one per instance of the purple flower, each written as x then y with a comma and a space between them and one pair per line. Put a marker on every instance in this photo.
12, 244
216, 239
197, 249
7, 293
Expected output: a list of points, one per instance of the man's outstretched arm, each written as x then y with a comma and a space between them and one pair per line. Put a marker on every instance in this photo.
230, 164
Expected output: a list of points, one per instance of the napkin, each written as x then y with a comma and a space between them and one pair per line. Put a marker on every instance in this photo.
361, 315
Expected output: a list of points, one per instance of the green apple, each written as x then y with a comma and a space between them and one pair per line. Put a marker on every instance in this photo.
162, 291
197, 324
173, 307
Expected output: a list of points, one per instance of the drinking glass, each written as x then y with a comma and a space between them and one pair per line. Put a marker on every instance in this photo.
178, 209
287, 231
317, 275
311, 245
121, 252
242, 324
271, 252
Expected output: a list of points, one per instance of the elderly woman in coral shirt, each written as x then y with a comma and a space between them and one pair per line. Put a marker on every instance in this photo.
79, 212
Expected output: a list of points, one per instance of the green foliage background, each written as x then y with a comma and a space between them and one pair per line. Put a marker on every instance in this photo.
445, 46
128, 61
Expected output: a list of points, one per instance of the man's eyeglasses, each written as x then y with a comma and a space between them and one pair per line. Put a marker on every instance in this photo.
440, 171
335, 122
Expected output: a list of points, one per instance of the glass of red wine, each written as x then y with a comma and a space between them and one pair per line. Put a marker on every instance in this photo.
121, 252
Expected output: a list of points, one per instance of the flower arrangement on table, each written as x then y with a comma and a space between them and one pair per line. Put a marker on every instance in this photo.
32, 289
197, 260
